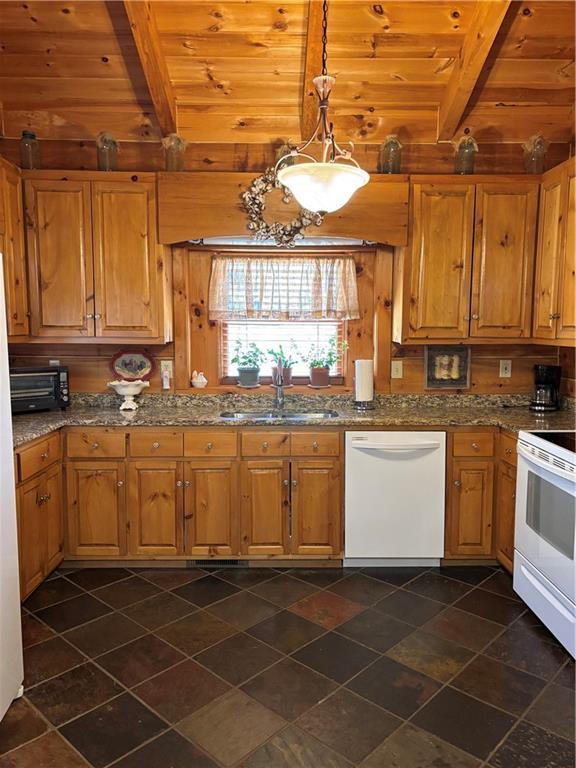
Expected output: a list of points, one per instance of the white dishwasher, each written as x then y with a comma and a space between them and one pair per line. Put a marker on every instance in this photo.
394, 498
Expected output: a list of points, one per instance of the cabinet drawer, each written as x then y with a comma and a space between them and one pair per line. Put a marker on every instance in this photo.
211, 442
265, 444
149, 443
315, 443
38, 456
95, 443
508, 449
473, 444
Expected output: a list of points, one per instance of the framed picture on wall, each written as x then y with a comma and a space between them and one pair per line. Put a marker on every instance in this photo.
446, 367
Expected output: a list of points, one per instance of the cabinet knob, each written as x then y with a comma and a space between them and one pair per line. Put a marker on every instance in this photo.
554, 316
286, 483
294, 483
475, 317
155, 444
120, 483
209, 446
315, 445
95, 446
97, 316
179, 483
466, 317
187, 484
457, 483
90, 317
48, 497
513, 495
508, 451
475, 446
43, 455
265, 445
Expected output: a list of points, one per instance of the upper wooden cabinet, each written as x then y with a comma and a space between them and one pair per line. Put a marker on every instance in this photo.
95, 267
12, 247
467, 271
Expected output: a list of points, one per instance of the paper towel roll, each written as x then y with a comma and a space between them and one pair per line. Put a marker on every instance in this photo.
363, 381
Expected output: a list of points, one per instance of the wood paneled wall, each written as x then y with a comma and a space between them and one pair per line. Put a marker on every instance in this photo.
567, 359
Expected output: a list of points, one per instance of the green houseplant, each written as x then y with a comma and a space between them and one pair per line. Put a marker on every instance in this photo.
288, 358
248, 357
321, 358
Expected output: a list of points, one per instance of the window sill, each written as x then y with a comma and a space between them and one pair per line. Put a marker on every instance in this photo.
234, 389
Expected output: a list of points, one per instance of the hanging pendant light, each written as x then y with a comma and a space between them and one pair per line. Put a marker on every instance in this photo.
322, 186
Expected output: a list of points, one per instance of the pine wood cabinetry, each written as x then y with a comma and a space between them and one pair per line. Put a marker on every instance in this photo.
96, 270
265, 507
505, 501
211, 508
12, 247
155, 499
316, 507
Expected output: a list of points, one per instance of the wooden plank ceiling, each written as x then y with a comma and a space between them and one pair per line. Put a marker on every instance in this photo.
233, 71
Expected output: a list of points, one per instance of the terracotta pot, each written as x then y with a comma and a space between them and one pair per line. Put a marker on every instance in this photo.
320, 377
248, 377
287, 375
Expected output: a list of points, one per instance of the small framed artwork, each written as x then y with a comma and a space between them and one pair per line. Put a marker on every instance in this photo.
447, 367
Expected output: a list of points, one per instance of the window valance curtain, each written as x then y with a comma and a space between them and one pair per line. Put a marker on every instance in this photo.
283, 288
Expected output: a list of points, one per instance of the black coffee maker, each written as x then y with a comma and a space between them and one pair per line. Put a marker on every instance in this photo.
546, 388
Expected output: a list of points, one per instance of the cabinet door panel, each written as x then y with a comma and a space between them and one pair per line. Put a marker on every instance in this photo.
504, 250
505, 511
441, 256
471, 502
31, 536
550, 236
316, 508
566, 328
265, 507
211, 508
127, 273
15, 277
96, 514
53, 518
155, 508
60, 257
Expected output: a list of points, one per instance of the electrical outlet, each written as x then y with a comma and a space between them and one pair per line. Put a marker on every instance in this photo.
166, 365
54, 362
396, 369
505, 369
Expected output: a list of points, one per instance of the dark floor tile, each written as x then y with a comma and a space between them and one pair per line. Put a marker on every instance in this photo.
489, 606
438, 587
410, 747
394, 686
73, 612
126, 592
431, 655
470, 574
73, 693
20, 724
93, 578
567, 676
231, 727
361, 589
286, 632
395, 576
499, 684
167, 751
34, 631
463, 628
326, 609
112, 730
50, 751
501, 584
206, 591
376, 630
246, 577
51, 592
349, 724
44, 660
529, 623
528, 653
319, 577
284, 590
288, 688
554, 711
170, 578
243, 610
335, 657
137, 661
196, 632
409, 607
181, 690
104, 634
531, 747
159, 610
238, 658
464, 722
293, 748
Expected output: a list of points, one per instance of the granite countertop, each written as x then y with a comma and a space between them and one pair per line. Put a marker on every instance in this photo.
391, 411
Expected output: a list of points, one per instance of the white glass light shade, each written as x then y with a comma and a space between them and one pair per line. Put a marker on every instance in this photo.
322, 187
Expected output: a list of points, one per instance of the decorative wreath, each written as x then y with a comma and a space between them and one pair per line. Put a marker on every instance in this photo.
254, 203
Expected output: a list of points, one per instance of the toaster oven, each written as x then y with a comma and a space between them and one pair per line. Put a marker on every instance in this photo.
39, 389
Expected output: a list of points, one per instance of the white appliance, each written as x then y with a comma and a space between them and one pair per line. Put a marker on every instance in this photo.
394, 498
545, 530
11, 664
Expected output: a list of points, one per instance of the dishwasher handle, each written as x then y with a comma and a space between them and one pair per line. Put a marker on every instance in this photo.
395, 447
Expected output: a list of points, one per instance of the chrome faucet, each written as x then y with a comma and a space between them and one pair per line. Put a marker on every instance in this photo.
279, 396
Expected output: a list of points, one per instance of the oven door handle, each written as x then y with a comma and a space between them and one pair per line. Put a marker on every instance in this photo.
545, 465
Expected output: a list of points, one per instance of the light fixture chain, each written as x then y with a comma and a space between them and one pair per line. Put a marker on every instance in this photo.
324, 35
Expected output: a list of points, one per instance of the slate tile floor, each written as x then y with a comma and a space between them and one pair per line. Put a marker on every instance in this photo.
270, 668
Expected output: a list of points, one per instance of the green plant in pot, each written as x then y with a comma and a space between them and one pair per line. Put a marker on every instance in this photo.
289, 359
321, 359
248, 357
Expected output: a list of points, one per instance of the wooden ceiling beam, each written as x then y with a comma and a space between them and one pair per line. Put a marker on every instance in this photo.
312, 68
147, 39
484, 26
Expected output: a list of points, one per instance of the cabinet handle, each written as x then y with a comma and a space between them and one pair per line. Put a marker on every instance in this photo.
514, 496
43, 455
90, 317
554, 317
95, 446
155, 444
475, 317
457, 483
120, 483
508, 451
48, 497
209, 446
265, 445
179, 483
187, 484
294, 483
475, 446
286, 483
315, 445
97, 316
466, 317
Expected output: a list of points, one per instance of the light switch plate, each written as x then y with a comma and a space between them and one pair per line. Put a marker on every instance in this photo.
396, 371
505, 369
166, 365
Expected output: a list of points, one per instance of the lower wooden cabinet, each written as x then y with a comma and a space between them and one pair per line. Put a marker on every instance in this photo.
470, 508
265, 502
155, 508
505, 513
40, 535
315, 508
211, 508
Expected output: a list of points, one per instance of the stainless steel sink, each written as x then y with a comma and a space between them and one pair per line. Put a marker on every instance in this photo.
278, 415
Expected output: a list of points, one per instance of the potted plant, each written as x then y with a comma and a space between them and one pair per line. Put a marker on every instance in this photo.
288, 360
321, 359
248, 359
